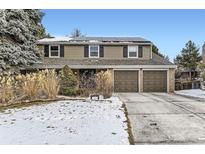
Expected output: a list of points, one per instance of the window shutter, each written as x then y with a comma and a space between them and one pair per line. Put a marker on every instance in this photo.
140, 51
101, 51
46, 50
86, 50
125, 51
61, 50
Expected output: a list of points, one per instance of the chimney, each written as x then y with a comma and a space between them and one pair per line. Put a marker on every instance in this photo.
203, 53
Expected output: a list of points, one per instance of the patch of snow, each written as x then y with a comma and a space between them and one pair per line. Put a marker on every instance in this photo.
56, 39
198, 93
65, 122
93, 41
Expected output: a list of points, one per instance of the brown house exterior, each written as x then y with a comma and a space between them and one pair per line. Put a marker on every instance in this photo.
133, 65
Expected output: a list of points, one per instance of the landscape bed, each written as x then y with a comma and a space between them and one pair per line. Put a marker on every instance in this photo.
66, 122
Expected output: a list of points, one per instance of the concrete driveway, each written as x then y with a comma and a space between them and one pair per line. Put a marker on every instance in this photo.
161, 118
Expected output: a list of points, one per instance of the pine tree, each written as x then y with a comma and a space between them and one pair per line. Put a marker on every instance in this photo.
19, 30
156, 50
189, 57
68, 82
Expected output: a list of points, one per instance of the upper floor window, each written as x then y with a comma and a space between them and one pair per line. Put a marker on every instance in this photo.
132, 51
94, 51
54, 51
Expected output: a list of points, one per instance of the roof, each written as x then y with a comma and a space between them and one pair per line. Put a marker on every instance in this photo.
102, 63
83, 40
55, 39
120, 39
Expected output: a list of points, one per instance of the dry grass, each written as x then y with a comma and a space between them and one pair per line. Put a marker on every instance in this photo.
40, 85
50, 83
29, 85
6, 89
104, 83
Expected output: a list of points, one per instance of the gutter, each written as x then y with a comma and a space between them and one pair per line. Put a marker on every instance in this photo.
104, 66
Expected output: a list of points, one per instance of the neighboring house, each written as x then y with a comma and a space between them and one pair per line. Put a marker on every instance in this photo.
134, 67
203, 53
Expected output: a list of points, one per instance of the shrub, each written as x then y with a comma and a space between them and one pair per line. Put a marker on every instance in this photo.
49, 83
87, 84
6, 89
104, 83
68, 82
202, 75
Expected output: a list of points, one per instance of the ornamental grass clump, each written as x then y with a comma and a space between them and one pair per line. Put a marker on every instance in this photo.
50, 83
104, 83
6, 89
29, 85
43, 84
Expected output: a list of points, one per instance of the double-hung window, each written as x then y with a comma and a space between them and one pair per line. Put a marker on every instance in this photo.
132, 51
54, 51
93, 51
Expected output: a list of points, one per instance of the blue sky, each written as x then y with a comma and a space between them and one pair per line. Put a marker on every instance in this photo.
168, 29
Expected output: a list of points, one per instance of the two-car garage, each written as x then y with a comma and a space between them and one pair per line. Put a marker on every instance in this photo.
149, 80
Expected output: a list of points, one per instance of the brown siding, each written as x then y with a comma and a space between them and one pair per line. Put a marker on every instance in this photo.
141, 80
110, 52
74, 52
113, 52
146, 52
171, 80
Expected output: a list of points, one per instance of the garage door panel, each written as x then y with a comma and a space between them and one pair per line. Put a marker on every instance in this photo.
126, 81
154, 81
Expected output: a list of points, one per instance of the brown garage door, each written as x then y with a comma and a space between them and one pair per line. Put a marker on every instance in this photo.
126, 81
155, 81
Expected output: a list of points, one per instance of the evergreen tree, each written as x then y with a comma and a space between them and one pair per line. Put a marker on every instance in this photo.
166, 58
156, 50
19, 30
68, 82
189, 57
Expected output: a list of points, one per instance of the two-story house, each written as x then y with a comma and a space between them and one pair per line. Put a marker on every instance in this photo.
135, 68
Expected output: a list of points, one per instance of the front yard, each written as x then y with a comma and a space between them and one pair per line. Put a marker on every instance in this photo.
65, 122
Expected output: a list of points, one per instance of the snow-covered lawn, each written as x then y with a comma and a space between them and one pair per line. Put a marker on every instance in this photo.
65, 122
198, 93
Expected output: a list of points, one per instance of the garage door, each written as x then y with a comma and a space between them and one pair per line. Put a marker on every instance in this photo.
155, 81
125, 81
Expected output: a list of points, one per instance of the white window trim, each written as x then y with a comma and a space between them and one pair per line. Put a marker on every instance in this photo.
129, 51
98, 52
50, 51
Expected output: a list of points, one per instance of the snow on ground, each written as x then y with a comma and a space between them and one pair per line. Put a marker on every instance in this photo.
65, 122
198, 93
